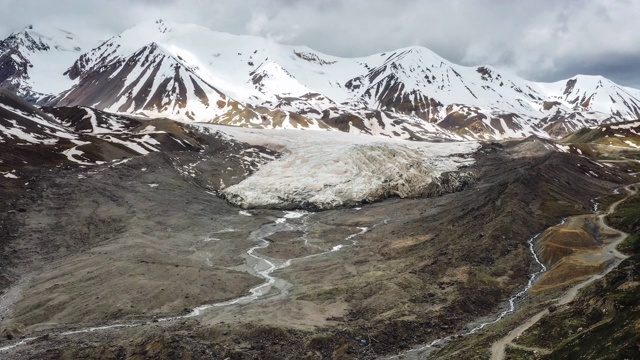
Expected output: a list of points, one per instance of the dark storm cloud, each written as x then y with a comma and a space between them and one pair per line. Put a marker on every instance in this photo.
539, 40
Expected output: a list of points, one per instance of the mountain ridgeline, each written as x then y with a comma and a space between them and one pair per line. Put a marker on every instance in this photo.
191, 73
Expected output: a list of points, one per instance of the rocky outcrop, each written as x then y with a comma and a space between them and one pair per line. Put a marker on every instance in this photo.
450, 182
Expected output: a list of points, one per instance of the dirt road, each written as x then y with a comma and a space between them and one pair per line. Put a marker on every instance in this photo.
498, 348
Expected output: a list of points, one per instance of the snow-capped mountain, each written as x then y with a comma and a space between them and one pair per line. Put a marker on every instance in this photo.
191, 73
47, 137
594, 94
194, 74
33, 61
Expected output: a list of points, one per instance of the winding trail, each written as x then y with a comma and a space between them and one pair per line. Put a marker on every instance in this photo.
498, 348
255, 264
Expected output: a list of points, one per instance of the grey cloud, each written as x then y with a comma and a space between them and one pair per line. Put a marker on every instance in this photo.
541, 40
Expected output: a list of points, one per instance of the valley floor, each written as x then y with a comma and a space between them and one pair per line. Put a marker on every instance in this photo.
111, 261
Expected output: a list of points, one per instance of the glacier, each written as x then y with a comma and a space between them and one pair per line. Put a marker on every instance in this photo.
328, 169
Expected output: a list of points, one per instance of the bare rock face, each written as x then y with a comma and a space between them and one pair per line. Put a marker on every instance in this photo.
13, 67
449, 182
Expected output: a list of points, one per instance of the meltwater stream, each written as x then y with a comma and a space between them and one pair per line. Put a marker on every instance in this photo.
255, 264
422, 351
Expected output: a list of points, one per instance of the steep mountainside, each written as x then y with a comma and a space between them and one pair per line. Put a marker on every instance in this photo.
191, 73
22, 123
33, 61
32, 138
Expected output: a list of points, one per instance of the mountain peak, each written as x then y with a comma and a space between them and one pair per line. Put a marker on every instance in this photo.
191, 72
163, 26
590, 83
37, 58
416, 52
43, 38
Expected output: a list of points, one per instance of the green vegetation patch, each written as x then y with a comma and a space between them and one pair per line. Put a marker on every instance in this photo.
519, 354
550, 331
630, 245
627, 215
584, 135
618, 141
557, 205
604, 323
605, 201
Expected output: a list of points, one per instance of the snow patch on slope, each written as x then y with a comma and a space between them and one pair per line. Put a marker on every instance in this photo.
30, 128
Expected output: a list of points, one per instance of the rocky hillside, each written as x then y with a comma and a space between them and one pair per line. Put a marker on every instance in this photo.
604, 320
51, 137
625, 134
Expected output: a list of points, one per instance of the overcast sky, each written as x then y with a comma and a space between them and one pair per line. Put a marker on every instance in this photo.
543, 40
